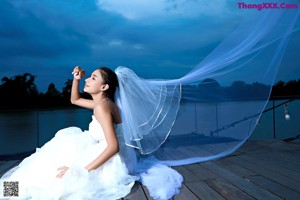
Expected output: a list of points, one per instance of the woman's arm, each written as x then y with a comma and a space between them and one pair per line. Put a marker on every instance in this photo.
76, 99
104, 116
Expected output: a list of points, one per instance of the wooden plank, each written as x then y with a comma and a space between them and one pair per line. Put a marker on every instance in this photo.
276, 188
137, 193
242, 183
238, 170
248, 147
286, 160
279, 145
187, 175
204, 191
147, 192
284, 163
257, 146
185, 193
272, 166
283, 180
293, 157
282, 153
227, 190
201, 172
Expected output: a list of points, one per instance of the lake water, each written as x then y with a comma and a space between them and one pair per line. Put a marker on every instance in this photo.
23, 131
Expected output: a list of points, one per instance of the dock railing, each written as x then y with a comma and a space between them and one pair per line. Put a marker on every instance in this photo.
21, 132
280, 120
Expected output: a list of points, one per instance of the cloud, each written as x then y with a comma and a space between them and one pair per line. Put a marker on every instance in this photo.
163, 9
115, 43
152, 37
56, 30
27, 34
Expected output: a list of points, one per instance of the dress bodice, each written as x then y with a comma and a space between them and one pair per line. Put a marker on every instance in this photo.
127, 154
96, 131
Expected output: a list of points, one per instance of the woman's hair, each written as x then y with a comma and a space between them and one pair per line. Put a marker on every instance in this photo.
111, 79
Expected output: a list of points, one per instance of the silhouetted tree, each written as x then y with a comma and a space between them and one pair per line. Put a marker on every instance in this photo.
282, 89
210, 90
291, 87
52, 92
259, 90
18, 91
67, 88
237, 90
66, 91
52, 96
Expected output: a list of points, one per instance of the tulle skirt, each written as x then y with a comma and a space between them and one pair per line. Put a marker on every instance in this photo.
73, 148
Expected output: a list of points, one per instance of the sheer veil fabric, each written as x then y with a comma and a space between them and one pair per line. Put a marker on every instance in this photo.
212, 110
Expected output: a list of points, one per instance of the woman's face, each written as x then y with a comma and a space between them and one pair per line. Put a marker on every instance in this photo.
94, 84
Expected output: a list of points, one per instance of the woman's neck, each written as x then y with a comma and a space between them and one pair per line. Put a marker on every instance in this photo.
99, 97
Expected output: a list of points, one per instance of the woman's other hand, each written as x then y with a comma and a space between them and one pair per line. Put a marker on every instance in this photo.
62, 170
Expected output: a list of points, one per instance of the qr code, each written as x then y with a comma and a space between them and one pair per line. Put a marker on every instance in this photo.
10, 188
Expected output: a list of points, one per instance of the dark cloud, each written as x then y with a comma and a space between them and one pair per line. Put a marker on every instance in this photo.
24, 34
47, 38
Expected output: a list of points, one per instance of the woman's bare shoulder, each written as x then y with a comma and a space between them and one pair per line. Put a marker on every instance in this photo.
108, 108
102, 107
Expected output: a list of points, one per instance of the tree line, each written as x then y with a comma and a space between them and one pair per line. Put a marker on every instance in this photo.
20, 92
282, 89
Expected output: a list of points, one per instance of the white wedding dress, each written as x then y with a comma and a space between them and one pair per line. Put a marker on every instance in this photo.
74, 148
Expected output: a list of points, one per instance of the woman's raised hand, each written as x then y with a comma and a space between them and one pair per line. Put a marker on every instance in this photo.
78, 73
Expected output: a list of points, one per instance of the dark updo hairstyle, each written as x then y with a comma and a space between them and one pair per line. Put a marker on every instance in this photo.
109, 77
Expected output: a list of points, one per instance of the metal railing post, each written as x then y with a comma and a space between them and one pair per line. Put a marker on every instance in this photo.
274, 120
196, 125
37, 129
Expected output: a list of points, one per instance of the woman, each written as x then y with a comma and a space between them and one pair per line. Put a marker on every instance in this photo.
101, 86
81, 165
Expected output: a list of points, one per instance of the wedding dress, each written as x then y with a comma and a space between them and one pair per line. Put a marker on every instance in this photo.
74, 148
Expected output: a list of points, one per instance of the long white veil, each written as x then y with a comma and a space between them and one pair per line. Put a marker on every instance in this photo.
212, 110
208, 113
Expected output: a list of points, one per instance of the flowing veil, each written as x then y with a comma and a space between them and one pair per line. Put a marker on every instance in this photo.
212, 110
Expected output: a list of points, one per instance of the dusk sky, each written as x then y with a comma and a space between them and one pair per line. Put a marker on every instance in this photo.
156, 38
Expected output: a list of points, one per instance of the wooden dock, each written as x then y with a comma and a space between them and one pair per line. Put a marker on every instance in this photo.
263, 170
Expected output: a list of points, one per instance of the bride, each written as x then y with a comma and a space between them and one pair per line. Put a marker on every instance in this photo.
82, 165
93, 164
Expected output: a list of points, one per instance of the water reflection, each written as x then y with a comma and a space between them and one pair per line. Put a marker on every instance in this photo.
25, 130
